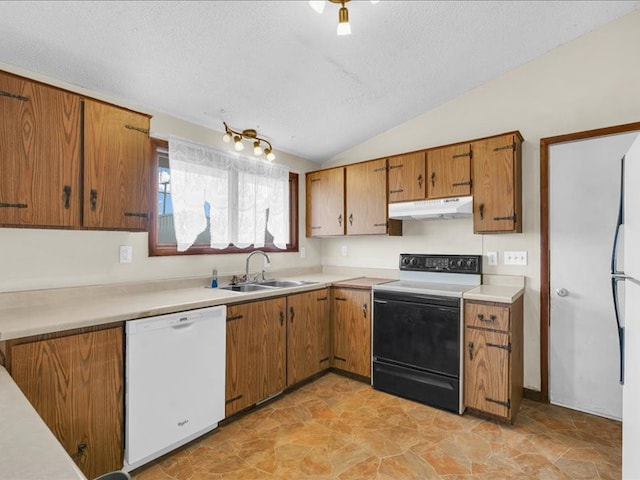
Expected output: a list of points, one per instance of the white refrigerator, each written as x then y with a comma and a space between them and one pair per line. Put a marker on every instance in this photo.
626, 293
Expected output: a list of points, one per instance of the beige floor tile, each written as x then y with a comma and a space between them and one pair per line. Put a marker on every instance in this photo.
336, 428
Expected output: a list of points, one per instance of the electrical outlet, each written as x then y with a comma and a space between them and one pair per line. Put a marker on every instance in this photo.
515, 258
126, 253
303, 252
492, 258
343, 250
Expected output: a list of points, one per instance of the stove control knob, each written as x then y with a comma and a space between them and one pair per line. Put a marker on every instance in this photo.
460, 263
414, 261
469, 263
405, 261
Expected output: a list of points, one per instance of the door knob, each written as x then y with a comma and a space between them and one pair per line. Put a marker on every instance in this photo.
562, 292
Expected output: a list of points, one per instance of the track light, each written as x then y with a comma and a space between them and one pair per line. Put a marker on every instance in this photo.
344, 28
343, 21
251, 135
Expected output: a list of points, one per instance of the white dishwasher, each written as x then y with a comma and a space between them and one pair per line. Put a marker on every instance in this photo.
175, 381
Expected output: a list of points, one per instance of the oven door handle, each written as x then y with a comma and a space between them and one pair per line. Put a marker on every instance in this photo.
380, 301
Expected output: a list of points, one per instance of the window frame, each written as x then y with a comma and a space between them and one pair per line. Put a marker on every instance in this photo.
157, 249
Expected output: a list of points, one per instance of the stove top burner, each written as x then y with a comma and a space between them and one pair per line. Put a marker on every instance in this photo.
444, 275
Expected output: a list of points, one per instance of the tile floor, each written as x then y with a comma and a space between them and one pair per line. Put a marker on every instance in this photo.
338, 428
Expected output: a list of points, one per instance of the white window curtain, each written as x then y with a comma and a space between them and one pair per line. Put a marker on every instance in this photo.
248, 198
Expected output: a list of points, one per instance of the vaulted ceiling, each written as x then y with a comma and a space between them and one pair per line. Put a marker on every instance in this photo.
278, 66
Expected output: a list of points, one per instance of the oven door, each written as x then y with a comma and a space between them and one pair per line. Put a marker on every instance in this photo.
417, 331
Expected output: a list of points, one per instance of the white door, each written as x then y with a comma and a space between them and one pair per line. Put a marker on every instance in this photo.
584, 195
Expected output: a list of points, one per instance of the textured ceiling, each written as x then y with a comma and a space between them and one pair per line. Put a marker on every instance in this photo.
279, 67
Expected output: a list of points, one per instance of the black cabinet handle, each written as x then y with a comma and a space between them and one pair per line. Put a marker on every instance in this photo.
492, 318
351, 219
481, 208
340, 299
66, 191
13, 205
364, 310
433, 179
93, 198
136, 214
470, 345
420, 181
281, 318
234, 317
340, 220
292, 313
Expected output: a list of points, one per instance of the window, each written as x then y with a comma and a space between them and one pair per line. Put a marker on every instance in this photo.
162, 238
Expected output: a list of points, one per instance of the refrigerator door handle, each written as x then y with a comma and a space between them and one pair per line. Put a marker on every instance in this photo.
616, 237
616, 307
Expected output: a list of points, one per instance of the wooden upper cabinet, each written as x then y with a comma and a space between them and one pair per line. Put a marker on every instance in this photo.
117, 151
407, 177
40, 148
325, 202
367, 198
449, 171
497, 184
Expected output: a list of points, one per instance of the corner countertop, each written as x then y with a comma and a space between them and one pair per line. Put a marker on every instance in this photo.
363, 283
28, 449
497, 288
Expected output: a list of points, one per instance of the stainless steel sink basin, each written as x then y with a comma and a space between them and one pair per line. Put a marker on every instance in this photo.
285, 283
247, 287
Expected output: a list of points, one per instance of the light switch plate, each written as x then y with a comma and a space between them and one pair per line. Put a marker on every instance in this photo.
126, 253
515, 258
492, 258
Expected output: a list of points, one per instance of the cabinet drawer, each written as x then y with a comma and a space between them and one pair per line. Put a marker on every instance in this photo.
483, 315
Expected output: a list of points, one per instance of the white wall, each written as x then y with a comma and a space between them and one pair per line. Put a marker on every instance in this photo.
39, 258
589, 83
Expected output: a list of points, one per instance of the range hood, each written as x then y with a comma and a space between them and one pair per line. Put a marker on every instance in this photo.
432, 209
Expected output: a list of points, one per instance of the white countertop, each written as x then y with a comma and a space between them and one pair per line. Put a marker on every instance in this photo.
28, 449
23, 314
494, 293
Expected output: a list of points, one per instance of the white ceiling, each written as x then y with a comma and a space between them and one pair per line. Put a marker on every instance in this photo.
279, 67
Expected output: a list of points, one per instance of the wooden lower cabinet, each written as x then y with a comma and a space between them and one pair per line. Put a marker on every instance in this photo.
493, 370
351, 314
308, 347
256, 352
75, 383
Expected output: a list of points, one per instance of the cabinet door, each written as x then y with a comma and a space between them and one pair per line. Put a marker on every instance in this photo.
352, 330
487, 364
497, 192
406, 177
75, 383
270, 340
306, 333
325, 202
367, 210
240, 365
449, 171
39, 154
117, 155
256, 353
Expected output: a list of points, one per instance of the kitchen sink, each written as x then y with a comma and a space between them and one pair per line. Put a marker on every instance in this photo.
246, 287
285, 283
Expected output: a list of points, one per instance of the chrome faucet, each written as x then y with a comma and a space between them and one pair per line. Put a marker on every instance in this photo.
246, 273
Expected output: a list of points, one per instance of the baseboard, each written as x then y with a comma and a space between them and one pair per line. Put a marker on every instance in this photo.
535, 395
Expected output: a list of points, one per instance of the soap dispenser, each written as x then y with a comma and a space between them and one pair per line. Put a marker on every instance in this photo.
214, 279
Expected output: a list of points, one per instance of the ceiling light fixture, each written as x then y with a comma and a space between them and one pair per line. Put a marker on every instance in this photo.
251, 135
344, 28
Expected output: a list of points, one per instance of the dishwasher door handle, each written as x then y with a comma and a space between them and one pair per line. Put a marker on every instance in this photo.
183, 326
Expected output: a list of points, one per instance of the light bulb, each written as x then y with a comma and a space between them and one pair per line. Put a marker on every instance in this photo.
343, 22
257, 149
317, 5
226, 138
374, 1
270, 155
238, 145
